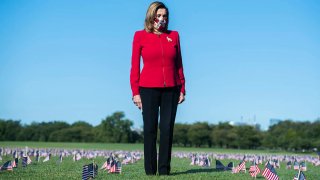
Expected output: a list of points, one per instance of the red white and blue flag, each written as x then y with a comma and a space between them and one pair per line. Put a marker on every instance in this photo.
254, 170
270, 173
300, 176
241, 166
7, 166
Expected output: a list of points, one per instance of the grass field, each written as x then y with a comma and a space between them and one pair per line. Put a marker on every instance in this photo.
180, 167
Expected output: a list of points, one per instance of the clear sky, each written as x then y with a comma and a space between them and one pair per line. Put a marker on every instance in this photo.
70, 60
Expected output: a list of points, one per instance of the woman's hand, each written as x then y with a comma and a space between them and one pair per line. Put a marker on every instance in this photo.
137, 101
181, 98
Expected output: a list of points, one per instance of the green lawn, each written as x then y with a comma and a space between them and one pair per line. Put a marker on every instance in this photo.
180, 167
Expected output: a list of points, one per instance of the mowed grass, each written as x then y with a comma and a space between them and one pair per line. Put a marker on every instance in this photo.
181, 168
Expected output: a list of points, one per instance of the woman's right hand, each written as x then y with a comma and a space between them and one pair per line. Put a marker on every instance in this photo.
137, 101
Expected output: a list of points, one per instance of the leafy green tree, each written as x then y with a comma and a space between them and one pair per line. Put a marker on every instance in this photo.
290, 135
72, 134
223, 135
115, 129
199, 134
180, 134
41, 131
287, 135
9, 130
82, 124
248, 137
79, 131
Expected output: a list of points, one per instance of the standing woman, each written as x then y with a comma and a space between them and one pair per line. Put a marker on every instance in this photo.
160, 84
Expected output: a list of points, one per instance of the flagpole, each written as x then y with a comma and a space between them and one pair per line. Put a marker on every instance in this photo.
93, 168
255, 168
26, 151
299, 172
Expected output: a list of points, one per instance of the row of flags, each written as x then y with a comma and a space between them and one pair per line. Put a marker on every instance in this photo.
275, 160
91, 154
204, 160
259, 158
130, 158
200, 160
297, 166
9, 165
112, 165
43, 152
127, 156
269, 171
89, 171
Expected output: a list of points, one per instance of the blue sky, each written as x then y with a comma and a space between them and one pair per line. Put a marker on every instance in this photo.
70, 60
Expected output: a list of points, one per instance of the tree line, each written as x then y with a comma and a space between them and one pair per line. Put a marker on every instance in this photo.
286, 135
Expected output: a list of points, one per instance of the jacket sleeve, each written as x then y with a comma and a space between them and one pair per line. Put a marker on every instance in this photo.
180, 66
135, 64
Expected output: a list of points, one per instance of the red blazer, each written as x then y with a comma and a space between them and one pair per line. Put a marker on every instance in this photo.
162, 62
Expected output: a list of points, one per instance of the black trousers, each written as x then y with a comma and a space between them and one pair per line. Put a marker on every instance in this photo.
167, 100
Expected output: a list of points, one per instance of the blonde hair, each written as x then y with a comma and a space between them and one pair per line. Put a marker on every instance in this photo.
151, 14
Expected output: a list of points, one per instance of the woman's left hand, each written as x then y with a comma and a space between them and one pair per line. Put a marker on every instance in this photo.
181, 98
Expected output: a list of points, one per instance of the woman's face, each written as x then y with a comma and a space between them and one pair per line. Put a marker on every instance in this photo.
162, 14
160, 21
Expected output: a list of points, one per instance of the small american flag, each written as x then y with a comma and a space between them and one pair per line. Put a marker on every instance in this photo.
303, 166
7, 166
296, 165
25, 161
289, 165
89, 171
76, 157
270, 173
15, 162
118, 167
241, 166
277, 163
37, 156
14, 165
254, 170
115, 167
28, 160
60, 158
104, 166
46, 159
15, 155
107, 164
300, 176
112, 168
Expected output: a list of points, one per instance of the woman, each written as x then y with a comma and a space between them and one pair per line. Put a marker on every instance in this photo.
160, 84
